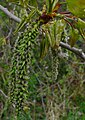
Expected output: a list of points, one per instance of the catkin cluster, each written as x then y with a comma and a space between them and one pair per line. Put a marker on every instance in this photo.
21, 60
55, 63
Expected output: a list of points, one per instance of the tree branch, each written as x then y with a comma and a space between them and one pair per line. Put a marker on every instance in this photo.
3, 94
78, 52
5, 10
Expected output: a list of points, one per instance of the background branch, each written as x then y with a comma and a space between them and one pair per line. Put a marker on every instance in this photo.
9, 34
3, 94
78, 52
9, 14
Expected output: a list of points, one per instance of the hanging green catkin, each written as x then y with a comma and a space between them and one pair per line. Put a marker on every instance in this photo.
55, 64
21, 60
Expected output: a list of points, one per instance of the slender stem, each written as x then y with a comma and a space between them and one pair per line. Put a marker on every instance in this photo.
9, 14
3, 94
78, 52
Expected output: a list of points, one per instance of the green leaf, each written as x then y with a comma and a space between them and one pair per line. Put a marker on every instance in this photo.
25, 20
2, 14
54, 4
2, 41
44, 46
77, 7
49, 37
33, 3
49, 6
73, 36
54, 33
22, 23
80, 25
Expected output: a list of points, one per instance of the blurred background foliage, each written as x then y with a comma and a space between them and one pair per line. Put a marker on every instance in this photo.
64, 97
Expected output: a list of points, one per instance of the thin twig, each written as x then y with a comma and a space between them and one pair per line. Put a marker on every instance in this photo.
78, 52
5, 10
9, 34
3, 94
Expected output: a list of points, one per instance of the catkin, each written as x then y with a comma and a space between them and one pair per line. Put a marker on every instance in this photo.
55, 64
21, 60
